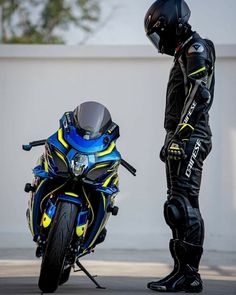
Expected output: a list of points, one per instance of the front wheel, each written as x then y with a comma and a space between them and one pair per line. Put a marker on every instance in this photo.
59, 239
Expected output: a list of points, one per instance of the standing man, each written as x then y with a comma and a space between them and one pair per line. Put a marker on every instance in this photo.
188, 140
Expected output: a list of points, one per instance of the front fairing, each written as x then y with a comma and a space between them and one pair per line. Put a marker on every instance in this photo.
66, 143
100, 176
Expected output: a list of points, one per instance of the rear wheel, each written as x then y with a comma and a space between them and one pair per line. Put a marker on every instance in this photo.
59, 239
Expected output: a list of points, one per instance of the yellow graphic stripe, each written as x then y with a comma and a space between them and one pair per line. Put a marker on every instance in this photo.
104, 200
103, 223
116, 180
100, 166
61, 157
198, 71
46, 165
108, 150
174, 148
108, 180
61, 139
184, 125
89, 205
71, 194
50, 193
32, 207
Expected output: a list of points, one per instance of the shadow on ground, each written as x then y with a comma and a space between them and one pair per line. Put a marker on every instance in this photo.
114, 285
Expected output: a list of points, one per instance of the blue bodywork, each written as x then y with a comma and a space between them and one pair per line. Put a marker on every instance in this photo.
68, 144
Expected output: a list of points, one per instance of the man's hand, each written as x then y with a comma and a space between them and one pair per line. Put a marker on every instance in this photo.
176, 151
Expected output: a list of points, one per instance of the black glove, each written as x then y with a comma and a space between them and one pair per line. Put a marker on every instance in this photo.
163, 154
176, 150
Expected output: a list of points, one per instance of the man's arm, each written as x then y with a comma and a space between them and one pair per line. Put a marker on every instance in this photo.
197, 102
199, 70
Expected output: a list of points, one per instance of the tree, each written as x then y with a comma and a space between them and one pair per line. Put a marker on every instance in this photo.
43, 21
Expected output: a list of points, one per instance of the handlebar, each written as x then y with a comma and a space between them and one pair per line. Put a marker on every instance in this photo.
28, 147
130, 168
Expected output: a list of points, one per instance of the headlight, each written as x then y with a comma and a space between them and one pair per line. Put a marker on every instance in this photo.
78, 164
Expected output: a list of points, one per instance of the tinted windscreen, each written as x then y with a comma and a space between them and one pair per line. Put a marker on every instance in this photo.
92, 119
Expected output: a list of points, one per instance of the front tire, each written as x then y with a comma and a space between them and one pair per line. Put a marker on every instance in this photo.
59, 239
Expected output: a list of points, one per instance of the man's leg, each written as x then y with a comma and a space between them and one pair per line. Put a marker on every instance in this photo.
183, 216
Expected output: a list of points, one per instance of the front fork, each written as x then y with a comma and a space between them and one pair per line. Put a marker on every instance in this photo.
82, 223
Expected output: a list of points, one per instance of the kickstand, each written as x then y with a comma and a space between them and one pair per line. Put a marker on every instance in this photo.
82, 268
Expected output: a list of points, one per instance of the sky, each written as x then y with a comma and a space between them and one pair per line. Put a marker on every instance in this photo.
122, 22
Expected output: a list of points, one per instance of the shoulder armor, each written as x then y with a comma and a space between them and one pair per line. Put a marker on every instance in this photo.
196, 47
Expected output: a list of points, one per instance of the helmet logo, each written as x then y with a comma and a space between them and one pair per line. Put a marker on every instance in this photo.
196, 48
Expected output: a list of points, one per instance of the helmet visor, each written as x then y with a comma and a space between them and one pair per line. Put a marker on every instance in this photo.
155, 39
92, 119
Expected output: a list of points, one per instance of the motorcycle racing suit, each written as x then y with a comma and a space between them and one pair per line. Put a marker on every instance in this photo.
189, 97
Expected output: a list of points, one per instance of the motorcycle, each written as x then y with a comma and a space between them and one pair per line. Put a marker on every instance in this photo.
73, 191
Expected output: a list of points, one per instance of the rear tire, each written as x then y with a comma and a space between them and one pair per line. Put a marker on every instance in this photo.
59, 239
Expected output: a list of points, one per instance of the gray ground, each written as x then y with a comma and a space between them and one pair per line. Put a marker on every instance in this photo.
120, 271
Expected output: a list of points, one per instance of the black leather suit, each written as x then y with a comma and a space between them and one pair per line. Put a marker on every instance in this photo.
189, 97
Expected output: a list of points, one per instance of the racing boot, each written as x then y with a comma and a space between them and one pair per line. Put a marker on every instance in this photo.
185, 276
164, 280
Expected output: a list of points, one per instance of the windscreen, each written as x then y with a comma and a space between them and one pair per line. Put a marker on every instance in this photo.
92, 119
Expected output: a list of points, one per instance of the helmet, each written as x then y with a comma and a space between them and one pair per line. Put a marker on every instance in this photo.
165, 22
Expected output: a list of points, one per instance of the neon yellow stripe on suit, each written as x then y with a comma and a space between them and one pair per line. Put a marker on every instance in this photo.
185, 125
61, 139
198, 71
107, 151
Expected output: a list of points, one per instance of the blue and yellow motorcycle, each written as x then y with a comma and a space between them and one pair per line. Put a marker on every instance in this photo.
73, 191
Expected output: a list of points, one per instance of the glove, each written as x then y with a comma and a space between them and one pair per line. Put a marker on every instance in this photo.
176, 150
163, 154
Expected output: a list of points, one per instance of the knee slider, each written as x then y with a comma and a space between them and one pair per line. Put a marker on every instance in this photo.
175, 211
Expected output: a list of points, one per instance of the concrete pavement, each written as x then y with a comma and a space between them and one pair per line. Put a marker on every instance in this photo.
120, 271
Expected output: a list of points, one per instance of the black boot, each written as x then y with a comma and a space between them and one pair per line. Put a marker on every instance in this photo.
164, 280
185, 276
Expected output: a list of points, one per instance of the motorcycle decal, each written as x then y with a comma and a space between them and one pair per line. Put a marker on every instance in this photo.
71, 194
107, 151
48, 214
61, 139
82, 223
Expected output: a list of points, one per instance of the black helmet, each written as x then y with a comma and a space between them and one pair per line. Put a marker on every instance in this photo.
165, 22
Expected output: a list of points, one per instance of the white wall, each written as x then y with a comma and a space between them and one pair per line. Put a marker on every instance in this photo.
39, 83
123, 21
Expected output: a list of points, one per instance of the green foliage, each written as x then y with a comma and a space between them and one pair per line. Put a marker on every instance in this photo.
42, 21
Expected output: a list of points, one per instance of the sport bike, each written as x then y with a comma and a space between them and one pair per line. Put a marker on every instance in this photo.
73, 191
